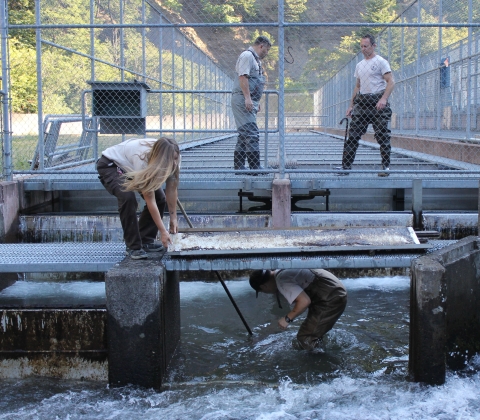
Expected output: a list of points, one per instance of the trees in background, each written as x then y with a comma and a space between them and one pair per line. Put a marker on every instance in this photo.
66, 53
399, 43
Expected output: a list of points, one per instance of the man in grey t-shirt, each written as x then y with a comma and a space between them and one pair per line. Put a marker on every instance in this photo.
246, 94
318, 290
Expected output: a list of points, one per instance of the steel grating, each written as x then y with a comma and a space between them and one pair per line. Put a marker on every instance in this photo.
344, 260
60, 257
316, 156
100, 257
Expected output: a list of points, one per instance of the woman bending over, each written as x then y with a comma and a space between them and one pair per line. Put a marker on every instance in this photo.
143, 166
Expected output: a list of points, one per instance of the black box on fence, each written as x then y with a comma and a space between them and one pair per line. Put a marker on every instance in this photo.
121, 106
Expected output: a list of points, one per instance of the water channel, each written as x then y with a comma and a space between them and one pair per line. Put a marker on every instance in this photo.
222, 373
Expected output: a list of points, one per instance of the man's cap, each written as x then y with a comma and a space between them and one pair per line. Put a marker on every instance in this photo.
257, 278
262, 39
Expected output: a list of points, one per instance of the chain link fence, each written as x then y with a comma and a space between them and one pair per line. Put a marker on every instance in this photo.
83, 75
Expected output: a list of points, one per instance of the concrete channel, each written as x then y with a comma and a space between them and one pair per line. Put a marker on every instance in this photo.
97, 341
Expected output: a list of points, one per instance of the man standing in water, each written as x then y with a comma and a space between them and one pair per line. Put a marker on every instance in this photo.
318, 290
246, 94
369, 105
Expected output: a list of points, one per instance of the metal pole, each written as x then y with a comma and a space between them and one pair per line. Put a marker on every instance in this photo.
174, 108
184, 213
160, 73
122, 46
92, 41
144, 37
233, 302
417, 88
214, 98
402, 72
468, 122
94, 124
281, 88
184, 54
218, 275
440, 52
266, 131
7, 134
205, 85
192, 100
38, 40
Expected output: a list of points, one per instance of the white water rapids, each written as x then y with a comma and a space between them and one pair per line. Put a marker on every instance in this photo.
221, 373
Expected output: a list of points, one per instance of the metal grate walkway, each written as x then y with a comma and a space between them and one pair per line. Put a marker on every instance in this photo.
100, 257
60, 257
209, 166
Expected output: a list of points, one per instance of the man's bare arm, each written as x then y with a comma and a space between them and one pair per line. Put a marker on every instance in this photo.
246, 92
382, 103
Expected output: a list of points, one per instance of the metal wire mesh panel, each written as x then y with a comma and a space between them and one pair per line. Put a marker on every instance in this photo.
186, 53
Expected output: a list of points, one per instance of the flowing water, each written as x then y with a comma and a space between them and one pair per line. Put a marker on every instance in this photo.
222, 373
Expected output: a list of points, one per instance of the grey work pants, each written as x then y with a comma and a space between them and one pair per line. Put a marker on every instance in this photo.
246, 122
328, 301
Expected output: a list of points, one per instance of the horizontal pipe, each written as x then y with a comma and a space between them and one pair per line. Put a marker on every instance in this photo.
245, 24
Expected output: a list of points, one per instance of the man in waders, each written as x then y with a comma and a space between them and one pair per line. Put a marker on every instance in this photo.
369, 105
246, 94
318, 290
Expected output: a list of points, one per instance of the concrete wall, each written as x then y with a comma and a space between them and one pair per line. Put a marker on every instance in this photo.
143, 323
60, 343
444, 310
9, 208
13, 200
9, 222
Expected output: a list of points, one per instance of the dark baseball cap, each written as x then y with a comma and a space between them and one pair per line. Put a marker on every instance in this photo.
259, 277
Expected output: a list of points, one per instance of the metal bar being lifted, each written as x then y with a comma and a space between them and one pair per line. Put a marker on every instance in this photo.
218, 275
233, 302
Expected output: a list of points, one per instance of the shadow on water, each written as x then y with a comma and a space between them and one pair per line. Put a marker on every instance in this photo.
220, 372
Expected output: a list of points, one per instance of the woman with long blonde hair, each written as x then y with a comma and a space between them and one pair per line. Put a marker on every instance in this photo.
143, 165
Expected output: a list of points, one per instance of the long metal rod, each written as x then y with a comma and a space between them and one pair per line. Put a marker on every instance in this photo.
38, 45
233, 303
184, 213
469, 62
281, 88
218, 275
244, 24
5, 96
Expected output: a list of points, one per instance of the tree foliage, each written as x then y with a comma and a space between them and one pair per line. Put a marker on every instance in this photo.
22, 12
294, 9
402, 48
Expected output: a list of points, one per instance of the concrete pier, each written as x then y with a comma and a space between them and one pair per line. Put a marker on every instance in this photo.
281, 203
444, 310
143, 321
9, 210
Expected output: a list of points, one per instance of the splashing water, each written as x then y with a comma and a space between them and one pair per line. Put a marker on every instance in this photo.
220, 372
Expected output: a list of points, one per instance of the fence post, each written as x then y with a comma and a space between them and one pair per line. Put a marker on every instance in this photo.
417, 205
281, 88
7, 135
